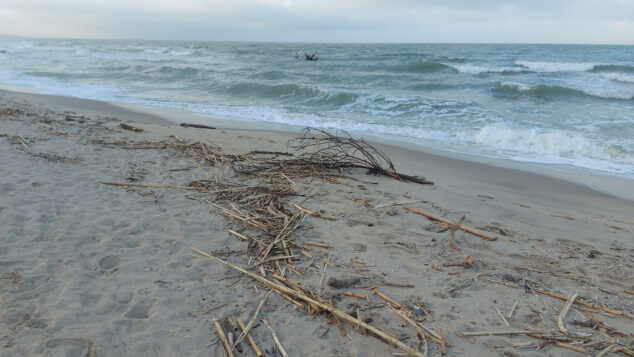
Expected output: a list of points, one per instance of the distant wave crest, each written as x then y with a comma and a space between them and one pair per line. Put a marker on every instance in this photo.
292, 93
424, 67
619, 77
473, 69
546, 91
551, 67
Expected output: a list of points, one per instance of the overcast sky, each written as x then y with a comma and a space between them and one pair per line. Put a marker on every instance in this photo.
525, 21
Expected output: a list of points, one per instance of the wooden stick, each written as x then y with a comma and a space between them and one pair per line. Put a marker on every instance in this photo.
450, 223
341, 314
275, 339
223, 339
564, 311
581, 302
253, 318
255, 347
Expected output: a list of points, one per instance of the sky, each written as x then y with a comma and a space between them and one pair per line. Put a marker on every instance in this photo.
411, 21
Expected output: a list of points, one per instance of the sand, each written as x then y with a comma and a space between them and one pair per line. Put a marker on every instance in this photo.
93, 270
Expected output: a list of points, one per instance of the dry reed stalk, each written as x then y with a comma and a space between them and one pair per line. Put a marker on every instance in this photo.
253, 318
581, 302
223, 338
355, 295
319, 245
280, 348
255, 347
564, 311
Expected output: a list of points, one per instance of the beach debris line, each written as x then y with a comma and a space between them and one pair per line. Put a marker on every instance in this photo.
318, 305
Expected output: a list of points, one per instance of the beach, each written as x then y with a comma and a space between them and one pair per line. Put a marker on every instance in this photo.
91, 269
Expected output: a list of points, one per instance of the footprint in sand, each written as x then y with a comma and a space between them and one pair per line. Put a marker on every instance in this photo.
73, 346
141, 310
109, 263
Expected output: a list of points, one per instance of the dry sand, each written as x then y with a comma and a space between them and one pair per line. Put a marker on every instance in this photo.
93, 270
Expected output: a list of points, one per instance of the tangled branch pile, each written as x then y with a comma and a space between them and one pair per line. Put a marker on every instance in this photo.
342, 151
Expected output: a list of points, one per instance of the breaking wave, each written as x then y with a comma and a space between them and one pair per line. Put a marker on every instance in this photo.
545, 91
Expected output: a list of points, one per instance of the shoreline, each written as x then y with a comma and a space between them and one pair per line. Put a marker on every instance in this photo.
108, 270
603, 183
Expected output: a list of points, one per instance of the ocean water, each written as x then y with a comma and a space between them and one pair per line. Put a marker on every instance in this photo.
565, 106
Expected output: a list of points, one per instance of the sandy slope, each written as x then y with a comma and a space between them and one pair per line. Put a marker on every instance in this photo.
89, 269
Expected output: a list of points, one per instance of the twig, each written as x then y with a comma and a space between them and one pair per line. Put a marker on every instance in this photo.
275, 339
281, 289
450, 223
564, 311
223, 339
253, 319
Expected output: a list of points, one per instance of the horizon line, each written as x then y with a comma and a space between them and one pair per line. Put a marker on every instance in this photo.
318, 42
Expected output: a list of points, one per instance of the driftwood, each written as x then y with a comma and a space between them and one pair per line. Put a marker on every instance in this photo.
198, 126
282, 289
130, 127
449, 223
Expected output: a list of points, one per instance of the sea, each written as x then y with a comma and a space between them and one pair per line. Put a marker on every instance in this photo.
566, 107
